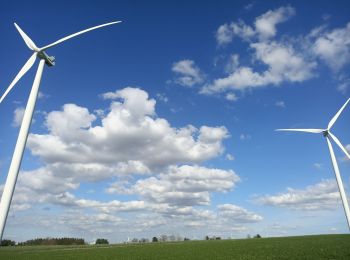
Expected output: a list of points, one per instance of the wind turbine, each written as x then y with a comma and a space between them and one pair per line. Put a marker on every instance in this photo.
329, 136
28, 114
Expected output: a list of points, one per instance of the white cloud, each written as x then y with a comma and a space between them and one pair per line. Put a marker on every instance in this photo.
172, 198
283, 63
230, 157
187, 73
70, 122
280, 104
18, 116
135, 102
231, 96
226, 32
127, 139
285, 59
265, 25
320, 196
238, 214
183, 186
333, 47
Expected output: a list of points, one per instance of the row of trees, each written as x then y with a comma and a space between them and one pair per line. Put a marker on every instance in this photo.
101, 241
53, 241
162, 238
7, 242
212, 238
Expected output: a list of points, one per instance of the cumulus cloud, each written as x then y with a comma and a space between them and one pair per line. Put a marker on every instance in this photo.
285, 59
186, 185
187, 73
283, 63
264, 26
333, 47
123, 144
320, 196
226, 32
129, 136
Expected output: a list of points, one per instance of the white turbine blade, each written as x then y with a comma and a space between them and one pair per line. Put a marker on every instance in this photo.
20, 74
76, 34
314, 131
31, 45
336, 140
331, 123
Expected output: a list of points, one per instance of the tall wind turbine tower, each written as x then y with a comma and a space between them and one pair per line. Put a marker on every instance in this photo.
330, 137
28, 114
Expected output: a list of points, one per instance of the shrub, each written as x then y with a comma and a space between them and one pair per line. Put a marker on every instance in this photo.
101, 241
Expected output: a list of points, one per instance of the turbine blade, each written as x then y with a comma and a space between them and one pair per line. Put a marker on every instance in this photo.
336, 140
31, 45
331, 123
76, 34
314, 131
20, 74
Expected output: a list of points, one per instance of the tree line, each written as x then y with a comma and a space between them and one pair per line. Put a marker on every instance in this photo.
53, 241
101, 241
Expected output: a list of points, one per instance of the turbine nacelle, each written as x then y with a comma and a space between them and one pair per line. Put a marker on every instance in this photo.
325, 133
49, 60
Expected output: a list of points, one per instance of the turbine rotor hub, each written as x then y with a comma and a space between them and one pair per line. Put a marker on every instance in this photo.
325, 133
49, 60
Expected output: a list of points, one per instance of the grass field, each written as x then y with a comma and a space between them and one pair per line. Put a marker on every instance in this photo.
305, 247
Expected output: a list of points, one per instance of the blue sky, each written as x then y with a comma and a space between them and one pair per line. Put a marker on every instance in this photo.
164, 123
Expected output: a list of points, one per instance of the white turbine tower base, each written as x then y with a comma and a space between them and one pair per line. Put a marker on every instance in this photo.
11, 180
329, 136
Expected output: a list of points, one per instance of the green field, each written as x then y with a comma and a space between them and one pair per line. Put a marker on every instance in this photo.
305, 247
